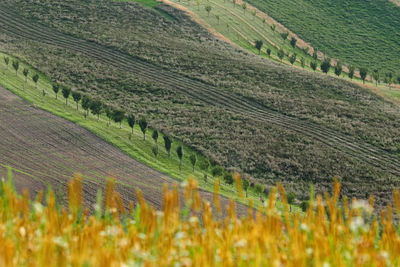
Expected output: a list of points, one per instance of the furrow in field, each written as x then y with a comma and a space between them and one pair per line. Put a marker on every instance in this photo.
203, 92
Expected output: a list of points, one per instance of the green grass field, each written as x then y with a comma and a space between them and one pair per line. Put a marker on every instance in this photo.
363, 33
243, 28
137, 148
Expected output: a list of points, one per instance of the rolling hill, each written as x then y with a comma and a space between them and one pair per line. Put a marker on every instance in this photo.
43, 150
262, 118
358, 32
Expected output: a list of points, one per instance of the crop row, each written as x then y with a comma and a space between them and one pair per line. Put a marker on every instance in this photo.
201, 91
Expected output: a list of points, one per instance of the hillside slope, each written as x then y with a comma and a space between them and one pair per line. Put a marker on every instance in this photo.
43, 149
359, 32
262, 118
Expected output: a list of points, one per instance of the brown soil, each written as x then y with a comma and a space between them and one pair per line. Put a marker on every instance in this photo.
396, 2
47, 150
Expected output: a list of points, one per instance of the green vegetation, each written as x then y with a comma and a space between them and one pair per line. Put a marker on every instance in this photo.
266, 120
358, 32
244, 29
137, 148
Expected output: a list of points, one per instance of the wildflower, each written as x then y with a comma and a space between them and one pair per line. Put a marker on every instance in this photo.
356, 223
241, 243
22, 231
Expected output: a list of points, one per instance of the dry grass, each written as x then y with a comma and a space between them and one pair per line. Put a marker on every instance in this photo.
329, 234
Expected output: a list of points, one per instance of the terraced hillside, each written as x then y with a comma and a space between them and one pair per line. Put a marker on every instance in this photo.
265, 119
359, 32
44, 150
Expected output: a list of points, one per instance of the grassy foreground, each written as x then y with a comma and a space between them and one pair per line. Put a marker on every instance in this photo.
46, 235
133, 145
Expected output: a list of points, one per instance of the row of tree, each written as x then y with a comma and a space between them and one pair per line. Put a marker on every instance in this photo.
97, 107
389, 78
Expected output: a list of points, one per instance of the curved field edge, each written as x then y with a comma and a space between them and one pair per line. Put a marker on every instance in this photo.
242, 30
137, 148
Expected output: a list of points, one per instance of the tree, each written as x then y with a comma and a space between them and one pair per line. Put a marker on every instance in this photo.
208, 9
254, 13
376, 75
15, 65
291, 197
179, 152
273, 27
66, 91
154, 135
217, 171
284, 35
217, 17
204, 165
109, 114
245, 185
259, 190
35, 79
292, 58
363, 74
313, 65
315, 54
293, 42
303, 62
338, 68
25, 72
131, 121
143, 127
264, 21
7, 61
269, 52
259, 45
281, 54
389, 78
77, 97
244, 7
398, 79
193, 160
86, 104
351, 72
234, 3
326, 65
155, 151
167, 144
56, 89
118, 116
96, 107
228, 178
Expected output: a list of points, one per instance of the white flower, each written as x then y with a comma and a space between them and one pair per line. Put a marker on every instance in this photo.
304, 227
179, 235
241, 243
38, 208
159, 213
361, 204
356, 223
22, 231
60, 242
184, 183
193, 219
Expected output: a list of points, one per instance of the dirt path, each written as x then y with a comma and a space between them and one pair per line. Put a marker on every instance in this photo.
47, 150
396, 2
